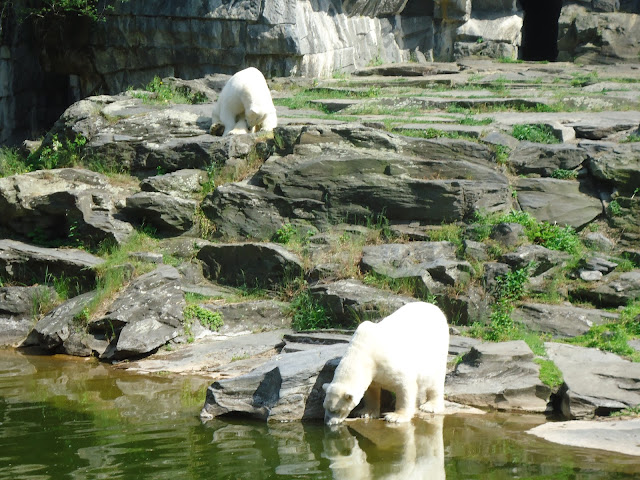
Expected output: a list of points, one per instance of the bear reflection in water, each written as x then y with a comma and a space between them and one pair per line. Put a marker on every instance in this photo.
374, 449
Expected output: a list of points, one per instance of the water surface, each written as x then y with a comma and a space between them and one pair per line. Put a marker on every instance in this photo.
72, 418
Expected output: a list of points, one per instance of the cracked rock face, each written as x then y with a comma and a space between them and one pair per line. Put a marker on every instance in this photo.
595, 382
63, 204
501, 376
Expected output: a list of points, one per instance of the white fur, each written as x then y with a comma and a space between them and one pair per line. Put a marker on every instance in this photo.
405, 353
245, 98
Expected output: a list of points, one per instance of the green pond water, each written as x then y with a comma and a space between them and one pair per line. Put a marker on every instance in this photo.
67, 418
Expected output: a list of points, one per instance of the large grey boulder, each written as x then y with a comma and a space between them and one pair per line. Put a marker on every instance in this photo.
432, 265
257, 315
289, 387
57, 328
339, 172
69, 205
145, 316
19, 309
214, 356
168, 214
28, 264
250, 264
614, 290
561, 321
493, 37
538, 158
138, 136
501, 376
244, 211
616, 164
543, 258
621, 436
350, 302
558, 201
593, 37
595, 382
184, 183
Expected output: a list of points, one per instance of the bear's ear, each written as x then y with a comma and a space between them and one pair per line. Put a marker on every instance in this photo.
348, 397
325, 386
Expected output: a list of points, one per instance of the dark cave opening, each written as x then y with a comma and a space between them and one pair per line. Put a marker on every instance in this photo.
540, 29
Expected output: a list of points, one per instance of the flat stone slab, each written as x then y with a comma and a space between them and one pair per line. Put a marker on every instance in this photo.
215, 356
620, 436
501, 376
468, 130
560, 320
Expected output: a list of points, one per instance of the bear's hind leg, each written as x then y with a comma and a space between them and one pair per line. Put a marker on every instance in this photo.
434, 401
229, 120
371, 400
406, 399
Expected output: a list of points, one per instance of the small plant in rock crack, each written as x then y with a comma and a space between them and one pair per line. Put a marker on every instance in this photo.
509, 289
536, 133
207, 318
614, 209
562, 174
59, 154
307, 313
81, 319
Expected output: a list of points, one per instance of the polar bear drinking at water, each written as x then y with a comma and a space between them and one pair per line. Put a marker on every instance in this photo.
406, 353
244, 105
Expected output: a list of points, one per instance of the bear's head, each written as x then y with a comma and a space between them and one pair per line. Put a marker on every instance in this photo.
261, 120
338, 403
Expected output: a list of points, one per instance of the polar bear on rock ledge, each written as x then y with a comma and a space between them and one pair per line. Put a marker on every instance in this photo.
244, 105
405, 353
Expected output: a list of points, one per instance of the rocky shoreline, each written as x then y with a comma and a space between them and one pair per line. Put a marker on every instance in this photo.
374, 191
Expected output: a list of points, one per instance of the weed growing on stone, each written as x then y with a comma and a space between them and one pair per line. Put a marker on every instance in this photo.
12, 162
157, 91
285, 234
631, 138
628, 412
500, 154
583, 79
67, 153
431, 133
614, 209
223, 174
562, 174
447, 233
411, 286
43, 302
508, 60
552, 236
510, 288
64, 286
305, 99
80, 320
469, 120
205, 227
207, 318
92, 9
612, 337
536, 133
307, 313
549, 374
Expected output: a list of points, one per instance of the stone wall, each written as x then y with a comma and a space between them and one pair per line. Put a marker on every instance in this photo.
30, 98
43, 71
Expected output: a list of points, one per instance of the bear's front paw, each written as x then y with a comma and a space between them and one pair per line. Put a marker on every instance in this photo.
395, 417
217, 129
